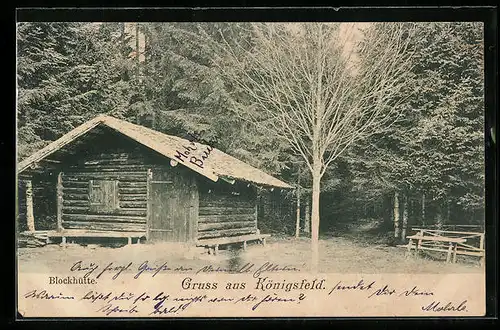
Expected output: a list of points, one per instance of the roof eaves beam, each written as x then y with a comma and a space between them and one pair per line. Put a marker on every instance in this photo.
50, 160
230, 181
59, 143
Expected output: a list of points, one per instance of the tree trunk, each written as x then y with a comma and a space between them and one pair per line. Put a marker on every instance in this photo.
411, 211
297, 221
423, 209
448, 207
405, 217
122, 35
137, 52
396, 214
439, 217
30, 219
386, 211
316, 177
307, 216
146, 53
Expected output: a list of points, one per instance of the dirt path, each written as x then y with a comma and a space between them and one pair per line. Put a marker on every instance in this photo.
337, 255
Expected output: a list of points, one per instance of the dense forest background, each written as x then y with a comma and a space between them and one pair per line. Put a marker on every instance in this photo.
427, 169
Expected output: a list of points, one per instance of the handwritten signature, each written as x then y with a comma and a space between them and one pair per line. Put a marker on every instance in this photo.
437, 306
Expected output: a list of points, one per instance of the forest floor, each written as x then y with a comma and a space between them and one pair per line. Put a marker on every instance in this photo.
343, 251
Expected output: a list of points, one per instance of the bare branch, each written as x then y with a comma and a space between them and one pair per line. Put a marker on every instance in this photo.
321, 87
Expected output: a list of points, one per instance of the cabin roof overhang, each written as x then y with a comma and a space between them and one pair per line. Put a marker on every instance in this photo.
217, 165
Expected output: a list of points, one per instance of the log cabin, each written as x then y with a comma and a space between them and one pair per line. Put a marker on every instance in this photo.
109, 178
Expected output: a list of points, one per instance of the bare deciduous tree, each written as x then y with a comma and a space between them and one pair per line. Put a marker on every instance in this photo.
319, 86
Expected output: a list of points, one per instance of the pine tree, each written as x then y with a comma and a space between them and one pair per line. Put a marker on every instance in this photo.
436, 148
67, 74
186, 95
44, 53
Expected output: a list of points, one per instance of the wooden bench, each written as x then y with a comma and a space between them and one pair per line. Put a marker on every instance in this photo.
213, 243
76, 233
420, 245
471, 244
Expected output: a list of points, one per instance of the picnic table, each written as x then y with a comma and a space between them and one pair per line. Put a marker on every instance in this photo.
450, 242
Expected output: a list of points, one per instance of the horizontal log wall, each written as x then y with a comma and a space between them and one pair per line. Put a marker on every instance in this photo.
223, 214
129, 170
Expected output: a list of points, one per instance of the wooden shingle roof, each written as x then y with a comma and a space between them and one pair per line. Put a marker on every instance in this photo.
217, 164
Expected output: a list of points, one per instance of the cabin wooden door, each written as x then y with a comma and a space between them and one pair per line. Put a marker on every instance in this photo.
167, 217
